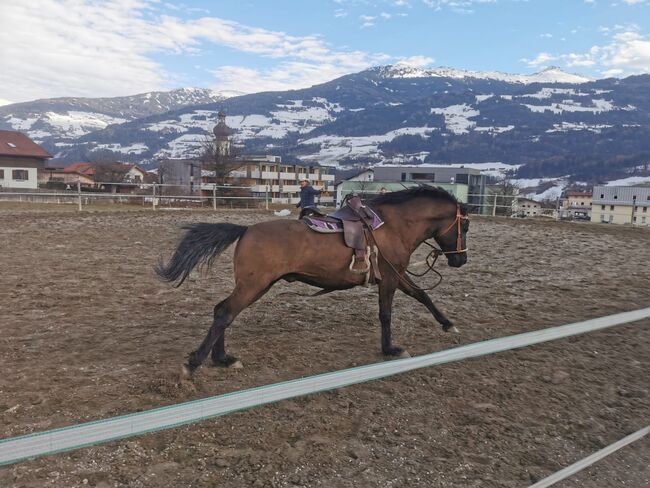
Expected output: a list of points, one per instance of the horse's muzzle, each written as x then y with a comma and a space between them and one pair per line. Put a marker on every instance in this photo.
456, 260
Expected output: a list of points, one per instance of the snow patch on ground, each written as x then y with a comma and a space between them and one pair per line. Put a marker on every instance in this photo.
494, 130
75, 123
137, 148
481, 98
549, 92
629, 181
334, 148
567, 126
457, 117
599, 105
185, 146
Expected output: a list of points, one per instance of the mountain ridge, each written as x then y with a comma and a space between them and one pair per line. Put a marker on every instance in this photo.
548, 128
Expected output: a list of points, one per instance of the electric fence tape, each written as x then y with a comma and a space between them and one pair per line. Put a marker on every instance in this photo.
39, 444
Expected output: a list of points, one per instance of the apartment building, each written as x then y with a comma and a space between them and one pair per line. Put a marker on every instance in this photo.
268, 176
621, 205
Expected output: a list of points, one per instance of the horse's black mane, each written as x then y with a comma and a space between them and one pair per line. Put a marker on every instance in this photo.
410, 193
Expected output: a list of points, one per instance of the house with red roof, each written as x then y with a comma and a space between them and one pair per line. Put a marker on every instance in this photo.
115, 177
21, 160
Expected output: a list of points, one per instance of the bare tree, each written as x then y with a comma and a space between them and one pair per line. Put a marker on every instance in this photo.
219, 158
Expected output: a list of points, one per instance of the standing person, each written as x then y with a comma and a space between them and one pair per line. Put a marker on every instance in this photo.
307, 194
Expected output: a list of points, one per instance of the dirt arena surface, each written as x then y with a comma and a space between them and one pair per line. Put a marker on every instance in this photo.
88, 332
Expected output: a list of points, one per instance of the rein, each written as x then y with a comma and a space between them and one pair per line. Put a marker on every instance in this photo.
433, 254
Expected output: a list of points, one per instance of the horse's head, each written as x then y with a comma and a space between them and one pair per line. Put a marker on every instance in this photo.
451, 236
430, 212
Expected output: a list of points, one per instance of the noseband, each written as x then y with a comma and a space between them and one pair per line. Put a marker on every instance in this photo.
459, 233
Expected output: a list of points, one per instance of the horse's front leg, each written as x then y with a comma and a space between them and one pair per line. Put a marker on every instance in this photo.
411, 289
386, 294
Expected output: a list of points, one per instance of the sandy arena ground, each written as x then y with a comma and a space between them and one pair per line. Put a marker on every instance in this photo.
88, 332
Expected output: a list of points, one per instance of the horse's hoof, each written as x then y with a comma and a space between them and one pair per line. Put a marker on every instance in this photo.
186, 372
228, 362
396, 352
455, 330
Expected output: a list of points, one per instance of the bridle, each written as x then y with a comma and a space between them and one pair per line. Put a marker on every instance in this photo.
432, 257
458, 222
436, 252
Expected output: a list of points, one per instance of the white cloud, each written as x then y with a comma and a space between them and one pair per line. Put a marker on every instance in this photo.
635, 2
459, 6
627, 53
540, 60
416, 61
88, 48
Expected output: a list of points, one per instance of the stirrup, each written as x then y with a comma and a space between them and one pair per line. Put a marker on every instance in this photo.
366, 261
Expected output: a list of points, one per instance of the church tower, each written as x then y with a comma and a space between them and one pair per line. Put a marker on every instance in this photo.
222, 134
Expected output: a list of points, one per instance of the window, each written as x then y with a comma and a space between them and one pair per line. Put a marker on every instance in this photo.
602, 207
643, 220
422, 176
634, 219
611, 219
582, 203
404, 179
11, 144
602, 195
615, 197
611, 207
462, 178
645, 209
2, 174
20, 174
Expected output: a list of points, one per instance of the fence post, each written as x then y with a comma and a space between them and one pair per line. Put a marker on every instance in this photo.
494, 206
214, 196
153, 196
79, 193
266, 196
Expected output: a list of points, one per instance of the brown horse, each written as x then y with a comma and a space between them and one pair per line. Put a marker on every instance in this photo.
288, 250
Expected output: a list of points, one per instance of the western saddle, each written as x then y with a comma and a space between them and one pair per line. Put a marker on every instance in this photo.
356, 221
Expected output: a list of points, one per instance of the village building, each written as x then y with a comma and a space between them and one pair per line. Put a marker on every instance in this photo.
21, 161
576, 205
621, 205
469, 184
114, 177
525, 207
466, 184
263, 176
268, 176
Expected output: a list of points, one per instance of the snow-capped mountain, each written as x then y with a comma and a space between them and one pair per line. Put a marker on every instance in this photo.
67, 118
552, 74
550, 124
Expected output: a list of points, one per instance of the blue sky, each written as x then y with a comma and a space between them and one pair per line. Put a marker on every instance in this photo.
121, 47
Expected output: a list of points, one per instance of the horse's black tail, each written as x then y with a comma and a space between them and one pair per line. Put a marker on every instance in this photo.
201, 244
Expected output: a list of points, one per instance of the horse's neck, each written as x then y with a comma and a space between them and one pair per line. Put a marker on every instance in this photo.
413, 222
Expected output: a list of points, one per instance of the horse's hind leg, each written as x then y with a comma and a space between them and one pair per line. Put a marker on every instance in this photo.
407, 286
224, 313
